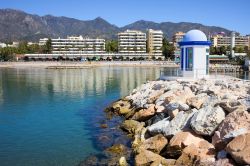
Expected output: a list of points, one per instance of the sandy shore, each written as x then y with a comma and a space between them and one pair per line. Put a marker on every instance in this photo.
84, 64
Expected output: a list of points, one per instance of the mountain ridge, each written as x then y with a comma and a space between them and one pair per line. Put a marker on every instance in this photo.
17, 25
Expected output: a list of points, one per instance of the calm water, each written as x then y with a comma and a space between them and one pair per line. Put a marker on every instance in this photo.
50, 117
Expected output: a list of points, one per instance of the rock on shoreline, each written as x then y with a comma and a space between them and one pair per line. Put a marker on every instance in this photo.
195, 122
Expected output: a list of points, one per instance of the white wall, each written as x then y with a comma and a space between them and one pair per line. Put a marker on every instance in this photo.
199, 61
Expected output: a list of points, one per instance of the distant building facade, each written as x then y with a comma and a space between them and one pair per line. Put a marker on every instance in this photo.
2, 45
236, 41
132, 42
154, 46
43, 41
178, 37
78, 45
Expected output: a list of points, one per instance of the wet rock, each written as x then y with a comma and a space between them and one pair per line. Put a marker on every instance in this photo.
121, 107
123, 162
158, 127
117, 149
197, 101
203, 154
144, 114
155, 144
232, 105
182, 140
146, 157
235, 123
132, 126
180, 123
156, 118
239, 149
104, 126
207, 119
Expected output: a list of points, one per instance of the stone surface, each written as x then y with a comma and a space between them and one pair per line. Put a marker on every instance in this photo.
146, 157
179, 123
123, 162
224, 162
132, 126
197, 101
155, 144
158, 127
207, 119
239, 149
235, 123
182, 140
144, 114
203, 154
122, 107
173, 113
156, 118
232, 105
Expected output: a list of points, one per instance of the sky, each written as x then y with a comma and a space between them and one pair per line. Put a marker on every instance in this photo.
230, 14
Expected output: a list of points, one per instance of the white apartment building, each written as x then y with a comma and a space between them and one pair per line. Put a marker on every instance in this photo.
236, 41
155, 38
2, 45
132, 42
43, 41
178, 36
78, 45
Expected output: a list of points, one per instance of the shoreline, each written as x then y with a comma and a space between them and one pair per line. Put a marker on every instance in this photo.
182, 122
76, 65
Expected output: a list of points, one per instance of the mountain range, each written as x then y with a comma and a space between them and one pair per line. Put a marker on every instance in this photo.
16, 25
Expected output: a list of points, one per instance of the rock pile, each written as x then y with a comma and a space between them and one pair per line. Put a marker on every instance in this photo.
197, 122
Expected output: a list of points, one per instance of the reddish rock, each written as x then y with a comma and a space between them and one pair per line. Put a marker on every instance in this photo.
146, 157
239, 149
155, 144
144, 114
182, 140
234, 122
197, 101
203, 154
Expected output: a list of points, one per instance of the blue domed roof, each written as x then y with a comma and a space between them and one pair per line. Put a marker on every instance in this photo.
194, 35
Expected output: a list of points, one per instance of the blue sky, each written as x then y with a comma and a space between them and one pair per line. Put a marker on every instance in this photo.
231, 14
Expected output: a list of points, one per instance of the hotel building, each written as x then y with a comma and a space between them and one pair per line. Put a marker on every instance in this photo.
178, 37
78, 45
236, 41
154, 45
132, 42
43, 41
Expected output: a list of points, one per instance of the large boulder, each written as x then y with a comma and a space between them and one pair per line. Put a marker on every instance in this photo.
132, 126
182, 140
232, 105
144, 114
239, 149
155, 144
158, 127
207, 119
146, 157
203, 154
179, 123
235, 123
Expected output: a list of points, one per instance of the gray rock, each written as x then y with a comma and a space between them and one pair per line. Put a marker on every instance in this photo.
221, 154
179, 123
158, 117
172, 106
183, 107
158, 127
233, 134
207, 120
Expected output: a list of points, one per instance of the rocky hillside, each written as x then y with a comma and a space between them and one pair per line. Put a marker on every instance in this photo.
199, 122
18, 25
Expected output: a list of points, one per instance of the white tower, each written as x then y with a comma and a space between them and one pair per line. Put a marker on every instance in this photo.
195, 54
232, 43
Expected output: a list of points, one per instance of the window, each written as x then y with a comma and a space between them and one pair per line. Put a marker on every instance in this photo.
189, 58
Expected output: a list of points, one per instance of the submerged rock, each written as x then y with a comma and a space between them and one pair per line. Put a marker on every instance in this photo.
207, 119
132, 126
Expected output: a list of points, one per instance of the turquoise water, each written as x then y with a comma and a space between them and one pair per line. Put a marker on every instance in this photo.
50, 117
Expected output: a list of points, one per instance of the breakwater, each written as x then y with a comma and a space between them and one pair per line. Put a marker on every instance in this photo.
194, 122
